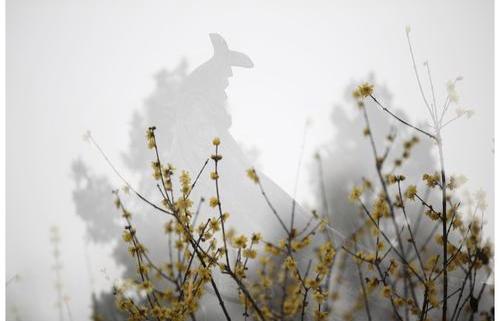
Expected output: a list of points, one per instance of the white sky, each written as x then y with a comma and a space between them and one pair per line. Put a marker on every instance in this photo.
78, 65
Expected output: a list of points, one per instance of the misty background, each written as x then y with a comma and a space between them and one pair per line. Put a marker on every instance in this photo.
76, 66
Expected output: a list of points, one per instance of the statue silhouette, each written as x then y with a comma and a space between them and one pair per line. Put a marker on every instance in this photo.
211, 78
200, 114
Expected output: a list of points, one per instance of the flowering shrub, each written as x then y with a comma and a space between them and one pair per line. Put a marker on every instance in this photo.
424, 278
393, 263
207, 246
400, 271
439, 276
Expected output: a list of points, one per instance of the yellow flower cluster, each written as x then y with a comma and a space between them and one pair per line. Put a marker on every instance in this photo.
356, 193
252, 175
363, 91
280, 279
431, 180
151, 139
411, 192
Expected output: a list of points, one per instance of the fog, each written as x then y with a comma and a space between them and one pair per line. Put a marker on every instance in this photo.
78, 66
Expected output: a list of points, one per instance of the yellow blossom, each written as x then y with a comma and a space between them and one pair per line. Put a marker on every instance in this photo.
355, 193
216, 141
391, 179
411, 192
126, 214
380, 208
205, 273
256, 238
311, 283
183, 204
371, 284
117, 203
240, 242
151, 140
156, 170
146, 286
169, 227
431, 180
215, 225
320, 315
185, 182
432, 214
214, 202
249, 253
320, 296
252, 175
386, 291
290, 263
127, 236
363, 91
142, 269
